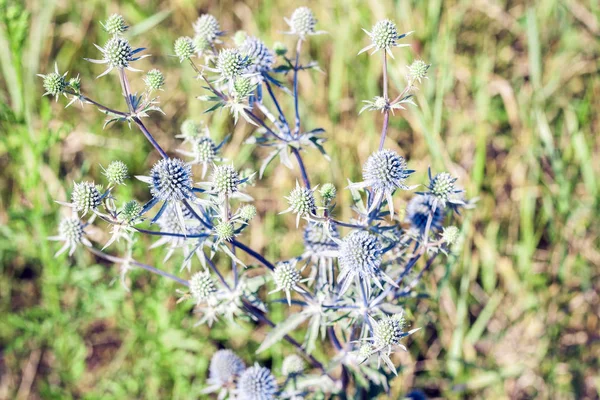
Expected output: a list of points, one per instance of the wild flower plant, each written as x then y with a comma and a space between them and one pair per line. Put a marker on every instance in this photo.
348, 286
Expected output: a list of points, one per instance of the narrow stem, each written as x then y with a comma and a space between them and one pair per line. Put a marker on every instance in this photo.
216, 271
386, 112
149, 136
125, 87
272, 94
297, 127
262, 123
156, 271
100, 106
253, 253
172, 234
302, 168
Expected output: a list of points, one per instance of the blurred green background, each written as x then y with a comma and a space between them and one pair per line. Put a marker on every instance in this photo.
511, 108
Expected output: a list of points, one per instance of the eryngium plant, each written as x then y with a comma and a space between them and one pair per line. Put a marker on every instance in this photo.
347, 290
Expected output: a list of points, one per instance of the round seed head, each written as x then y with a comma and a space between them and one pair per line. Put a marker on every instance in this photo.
242, 87
385, 171
54, 83
75, 84
231, 63
302, 201
131, 210
85, 197
418, 210
328, 192
260, 57
380, 103
224, 366
257, 383
293, 365
225, 179
205, 149
317, 239
207, 26
201, 43
171, 180
184, 48
224, 231
154, 79
116, 173
247, 212
450, 235
118, 53
303, 21
360, 252
388, 331
71, 230
365, 350
115, 25
280, 48
384, 34
201, 285
442, 185
286, 275
417, 70
190, 129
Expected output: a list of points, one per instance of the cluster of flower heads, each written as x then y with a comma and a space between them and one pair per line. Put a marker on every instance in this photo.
347, 281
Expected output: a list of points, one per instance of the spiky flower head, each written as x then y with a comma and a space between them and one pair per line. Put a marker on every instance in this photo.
360, 254
319, 237
225, 179
257, 383
201, 44
302, 22
231, 63
385, 171
75, 84
205, 149
242, 87
224, 231
260, 57
301, 200
365, 351
54, 83
71, 230
247, 212
417, 70
384, 35
442, 186
328, 192
184, 48
225, 365
450, 235
207, 27
418, 210
378, 103
115, 25
85, 197
202, 286
154, 80
286, 276
171, 180
116, 173
388, 331
190, 129
293, 365
131, 211
118, 52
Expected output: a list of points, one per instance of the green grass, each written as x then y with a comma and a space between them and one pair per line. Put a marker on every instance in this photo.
510, 108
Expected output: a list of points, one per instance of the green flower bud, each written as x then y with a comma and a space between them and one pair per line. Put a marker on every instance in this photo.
328, 192
225, 231
417, 70
154, 80
115, 25
247, 212
116, 173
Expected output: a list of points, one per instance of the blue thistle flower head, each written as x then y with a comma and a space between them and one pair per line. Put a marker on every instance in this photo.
302, 22
85, 197
260, 57
231, 64
385, 171
225, 365
418, 210
319, 238
360, 253
257, 383
171, 180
